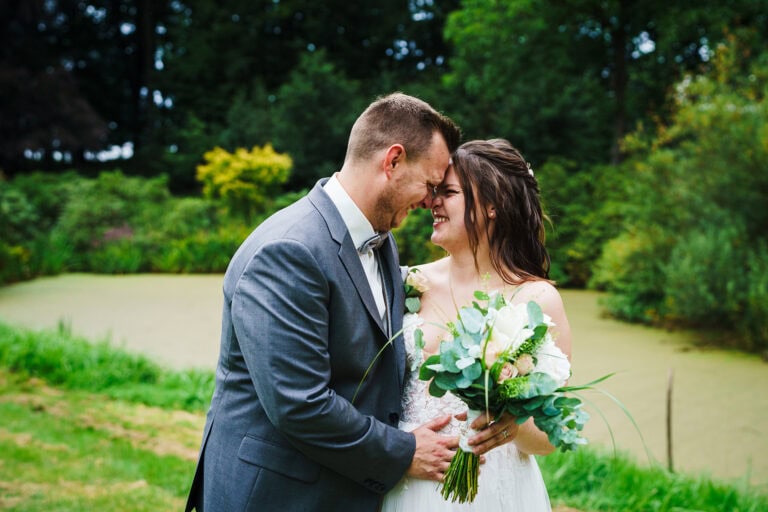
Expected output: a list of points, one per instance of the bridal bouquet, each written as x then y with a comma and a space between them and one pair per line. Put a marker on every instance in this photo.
502, 358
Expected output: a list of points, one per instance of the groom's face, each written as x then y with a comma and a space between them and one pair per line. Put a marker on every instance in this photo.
412, 185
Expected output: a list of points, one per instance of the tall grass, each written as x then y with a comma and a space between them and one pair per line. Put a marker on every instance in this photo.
592, 480
71, 362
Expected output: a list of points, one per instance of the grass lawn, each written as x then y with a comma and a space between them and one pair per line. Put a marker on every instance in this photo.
75, 450
87, 427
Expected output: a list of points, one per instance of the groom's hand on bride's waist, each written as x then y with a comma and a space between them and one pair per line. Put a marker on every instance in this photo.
433, 451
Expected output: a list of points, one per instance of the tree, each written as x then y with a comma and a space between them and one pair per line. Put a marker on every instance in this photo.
77, 76
220, 47
572, 80
693, 248
312, 115
80, 77
43, 109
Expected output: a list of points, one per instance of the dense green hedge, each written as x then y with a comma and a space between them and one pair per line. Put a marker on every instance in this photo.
113, 224
121, 224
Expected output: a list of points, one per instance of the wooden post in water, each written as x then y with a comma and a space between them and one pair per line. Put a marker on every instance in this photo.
670, 380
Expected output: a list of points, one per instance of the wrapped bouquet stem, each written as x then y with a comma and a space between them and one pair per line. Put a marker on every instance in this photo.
460, 482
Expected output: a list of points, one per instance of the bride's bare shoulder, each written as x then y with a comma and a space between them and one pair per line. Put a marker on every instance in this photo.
539, 291
434, 271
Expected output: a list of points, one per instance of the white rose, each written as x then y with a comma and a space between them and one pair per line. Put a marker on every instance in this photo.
418, 280
552, 361
510, 328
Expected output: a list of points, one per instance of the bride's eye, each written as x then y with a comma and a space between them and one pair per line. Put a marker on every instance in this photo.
443, 191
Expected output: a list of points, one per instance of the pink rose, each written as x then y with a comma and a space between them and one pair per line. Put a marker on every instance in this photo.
524, 364
508, 371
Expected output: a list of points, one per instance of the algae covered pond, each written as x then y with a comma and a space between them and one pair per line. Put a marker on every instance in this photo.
719, 403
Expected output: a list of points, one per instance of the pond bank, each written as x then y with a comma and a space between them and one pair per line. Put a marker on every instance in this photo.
720, 416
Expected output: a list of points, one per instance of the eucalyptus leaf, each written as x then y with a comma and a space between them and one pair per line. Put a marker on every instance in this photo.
468, 340
567, 402
465, 362
418, 339
446, 381
535, 315
520, 419
483, 311
550, 409
471, 319
449, 356
540, 331
497, 301
542, 384
425, 372
413, 304
534, 405
473, 372
462, 382
436, 390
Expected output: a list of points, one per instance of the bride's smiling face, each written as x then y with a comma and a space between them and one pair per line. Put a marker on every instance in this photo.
448, 213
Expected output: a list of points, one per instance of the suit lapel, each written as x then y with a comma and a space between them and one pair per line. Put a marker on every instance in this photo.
351, 262
347, 251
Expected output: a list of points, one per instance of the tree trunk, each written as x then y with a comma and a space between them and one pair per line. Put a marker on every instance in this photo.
145, 62
619, 81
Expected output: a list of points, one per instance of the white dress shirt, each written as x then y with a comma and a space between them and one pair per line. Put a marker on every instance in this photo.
360, 230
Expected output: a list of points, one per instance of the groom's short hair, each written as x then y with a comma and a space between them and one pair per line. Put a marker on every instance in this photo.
399, 119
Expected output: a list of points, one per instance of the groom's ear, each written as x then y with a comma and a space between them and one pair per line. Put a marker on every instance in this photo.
394, 156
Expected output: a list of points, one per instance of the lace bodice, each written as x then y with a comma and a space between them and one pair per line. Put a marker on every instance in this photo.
418, 405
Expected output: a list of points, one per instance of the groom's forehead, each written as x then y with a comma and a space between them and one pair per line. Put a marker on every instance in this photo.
439, 168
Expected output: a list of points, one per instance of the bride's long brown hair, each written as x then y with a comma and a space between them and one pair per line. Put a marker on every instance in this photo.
492, 173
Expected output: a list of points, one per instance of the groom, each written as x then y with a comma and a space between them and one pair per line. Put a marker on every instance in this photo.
308, 304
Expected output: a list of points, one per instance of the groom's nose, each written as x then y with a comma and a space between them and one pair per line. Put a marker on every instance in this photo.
429, 199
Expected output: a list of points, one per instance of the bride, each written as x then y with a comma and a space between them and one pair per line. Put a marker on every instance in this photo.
488, 217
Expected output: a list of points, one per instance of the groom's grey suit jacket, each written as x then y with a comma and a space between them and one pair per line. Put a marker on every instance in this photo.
300, 327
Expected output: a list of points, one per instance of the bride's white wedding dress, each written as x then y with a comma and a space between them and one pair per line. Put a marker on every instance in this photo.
510, 481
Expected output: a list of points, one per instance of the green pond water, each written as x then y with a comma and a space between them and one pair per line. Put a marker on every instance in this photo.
719, 398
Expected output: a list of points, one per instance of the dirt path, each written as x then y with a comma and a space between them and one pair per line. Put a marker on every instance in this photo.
720, 409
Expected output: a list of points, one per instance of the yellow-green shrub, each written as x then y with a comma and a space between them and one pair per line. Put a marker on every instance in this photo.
244, 180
